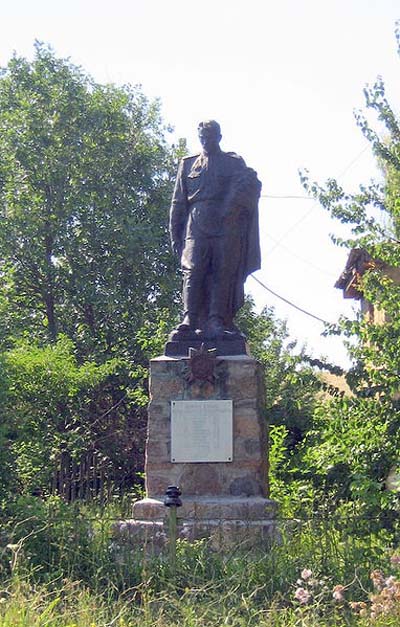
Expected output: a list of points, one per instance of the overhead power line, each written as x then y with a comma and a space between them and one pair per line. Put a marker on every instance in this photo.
288, 302
315, 204
293, 254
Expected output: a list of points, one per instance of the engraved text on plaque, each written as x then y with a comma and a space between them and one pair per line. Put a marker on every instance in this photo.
201, 431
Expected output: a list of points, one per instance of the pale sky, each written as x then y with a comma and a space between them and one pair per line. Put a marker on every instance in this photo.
282, 77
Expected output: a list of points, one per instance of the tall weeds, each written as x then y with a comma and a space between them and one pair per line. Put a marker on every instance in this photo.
67, 568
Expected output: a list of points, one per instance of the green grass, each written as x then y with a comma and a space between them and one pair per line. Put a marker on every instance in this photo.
72, 605
64, 568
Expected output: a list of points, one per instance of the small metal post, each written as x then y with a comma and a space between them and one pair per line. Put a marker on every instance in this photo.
172, 501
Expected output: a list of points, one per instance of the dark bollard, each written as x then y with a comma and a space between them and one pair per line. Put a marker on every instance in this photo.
172, 501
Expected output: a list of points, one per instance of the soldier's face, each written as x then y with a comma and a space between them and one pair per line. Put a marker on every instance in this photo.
209, 138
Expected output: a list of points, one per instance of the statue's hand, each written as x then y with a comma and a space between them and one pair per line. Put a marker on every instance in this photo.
177, 248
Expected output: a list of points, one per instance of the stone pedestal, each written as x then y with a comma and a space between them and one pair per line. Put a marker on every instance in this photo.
226, 501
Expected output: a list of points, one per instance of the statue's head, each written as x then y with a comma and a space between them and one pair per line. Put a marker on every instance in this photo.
209, 135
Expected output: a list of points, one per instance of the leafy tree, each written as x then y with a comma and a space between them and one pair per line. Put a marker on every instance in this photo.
47, 403
373, 216
85, 180
353, 449
290, 385
291, 388
86, 273
50, 403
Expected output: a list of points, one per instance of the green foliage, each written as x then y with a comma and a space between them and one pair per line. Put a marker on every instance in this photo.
352, 450
291, 388
49, 540
372, 214
52, 403
153, 334
59, 562
6, 459
290, 384
88, 286
85, 181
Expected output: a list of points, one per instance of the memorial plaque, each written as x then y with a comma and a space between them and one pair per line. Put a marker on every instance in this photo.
201, 431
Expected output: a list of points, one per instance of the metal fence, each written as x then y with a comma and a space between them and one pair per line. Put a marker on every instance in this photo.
88, 478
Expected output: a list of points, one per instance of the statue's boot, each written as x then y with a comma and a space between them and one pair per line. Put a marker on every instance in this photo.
188, 324
215, 327
186, 329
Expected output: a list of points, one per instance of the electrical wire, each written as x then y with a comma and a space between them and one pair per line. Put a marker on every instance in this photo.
296, 256
315, 204
288, 302
290, 229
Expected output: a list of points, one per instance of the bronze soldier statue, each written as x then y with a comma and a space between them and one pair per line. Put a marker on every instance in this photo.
214, 231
